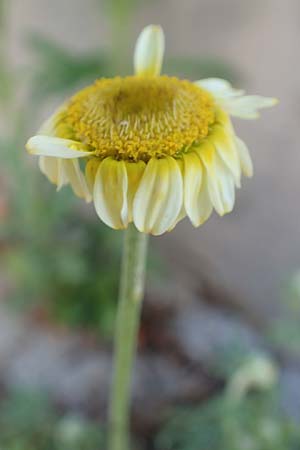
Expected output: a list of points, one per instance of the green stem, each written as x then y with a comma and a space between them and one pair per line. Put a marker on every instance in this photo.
127, 324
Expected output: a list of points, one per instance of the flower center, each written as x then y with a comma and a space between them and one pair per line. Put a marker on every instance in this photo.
137, 118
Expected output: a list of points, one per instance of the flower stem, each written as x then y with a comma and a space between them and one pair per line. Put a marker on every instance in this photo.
127, 323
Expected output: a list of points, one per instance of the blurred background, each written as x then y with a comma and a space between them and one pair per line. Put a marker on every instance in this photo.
219, 345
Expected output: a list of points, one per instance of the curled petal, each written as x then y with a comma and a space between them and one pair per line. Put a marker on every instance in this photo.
219, 88
54, 170
61, 172
233, 100
110, 193
247, 107
159, 198
245, 159
57, 147
149, 51
76, 178
58, 170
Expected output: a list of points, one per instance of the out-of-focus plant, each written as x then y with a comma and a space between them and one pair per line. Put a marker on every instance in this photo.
28, 421
284, 331
68, 70
246, 416
49, 261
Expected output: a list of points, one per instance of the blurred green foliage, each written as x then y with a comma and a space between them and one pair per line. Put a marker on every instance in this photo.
253, 424
28, 421
237, 419
59, 71
284, 331
59, 259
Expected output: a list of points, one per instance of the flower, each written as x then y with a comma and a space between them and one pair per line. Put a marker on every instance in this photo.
154, 148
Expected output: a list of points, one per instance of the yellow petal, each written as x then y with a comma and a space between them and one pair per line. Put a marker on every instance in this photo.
135, 172
226, 186
207, 155
149, 51
196, 198
219, 180
245, 159
192, 183
159, 198
49, 167
91, 171
76, 178
54, 170
225, 145
182, 212
110, 193
57, 147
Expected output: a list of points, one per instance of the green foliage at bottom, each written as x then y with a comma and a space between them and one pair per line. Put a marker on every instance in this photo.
254, 424
247, 415
29, 422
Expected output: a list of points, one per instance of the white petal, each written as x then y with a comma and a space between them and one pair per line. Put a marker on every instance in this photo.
76, 178
159, 198
197, 202
135, 172
149, 51
226, 186
54, 170
204, 205
57, 147
49, 167
245, 159
247, 107
219, 88
192, 183
224, 142
233, 100
91, 169
182, 212
110, 193
219, 180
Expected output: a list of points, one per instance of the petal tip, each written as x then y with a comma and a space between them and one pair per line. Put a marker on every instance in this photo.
30, 147
149, 51
274, 101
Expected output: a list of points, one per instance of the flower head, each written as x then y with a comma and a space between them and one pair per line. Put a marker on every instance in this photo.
154, 148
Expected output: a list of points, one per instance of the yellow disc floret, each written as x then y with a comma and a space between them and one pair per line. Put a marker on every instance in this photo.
136, 118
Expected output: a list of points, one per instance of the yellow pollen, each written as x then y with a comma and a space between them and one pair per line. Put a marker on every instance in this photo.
136, 118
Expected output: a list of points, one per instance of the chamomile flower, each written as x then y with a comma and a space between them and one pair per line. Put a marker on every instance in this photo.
149, 148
